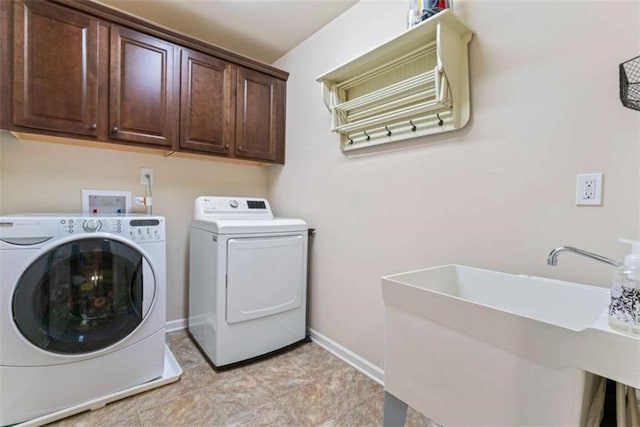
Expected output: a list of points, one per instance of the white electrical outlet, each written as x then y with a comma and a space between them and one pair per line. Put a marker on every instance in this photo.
143, 175
589, 189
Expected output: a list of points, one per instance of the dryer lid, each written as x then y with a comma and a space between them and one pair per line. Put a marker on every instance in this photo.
251, 226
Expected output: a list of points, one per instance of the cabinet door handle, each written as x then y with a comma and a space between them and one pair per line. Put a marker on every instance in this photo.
240, 148
226, 146
115, 129
93, 126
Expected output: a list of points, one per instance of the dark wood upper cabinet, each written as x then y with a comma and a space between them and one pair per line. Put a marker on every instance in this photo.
142, 102
207, 100
260, 108
79, 69
55, 68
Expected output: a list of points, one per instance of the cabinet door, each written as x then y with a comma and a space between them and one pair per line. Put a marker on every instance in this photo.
55, 68
260, 117
207, 115
141, 105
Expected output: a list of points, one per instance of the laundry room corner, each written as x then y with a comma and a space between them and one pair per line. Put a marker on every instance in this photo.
319, 212
49, 177
498, 193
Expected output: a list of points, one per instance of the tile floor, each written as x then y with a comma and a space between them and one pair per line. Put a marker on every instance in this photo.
306, 386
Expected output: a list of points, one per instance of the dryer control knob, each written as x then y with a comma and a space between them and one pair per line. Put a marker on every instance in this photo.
92, 225
233, 203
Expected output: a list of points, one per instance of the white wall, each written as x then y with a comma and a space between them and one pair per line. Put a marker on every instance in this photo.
499, 194
47, 177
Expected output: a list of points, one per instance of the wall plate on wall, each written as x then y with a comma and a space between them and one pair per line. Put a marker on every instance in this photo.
106, 201
589, 189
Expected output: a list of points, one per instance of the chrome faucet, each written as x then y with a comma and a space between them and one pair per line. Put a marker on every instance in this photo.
552, 259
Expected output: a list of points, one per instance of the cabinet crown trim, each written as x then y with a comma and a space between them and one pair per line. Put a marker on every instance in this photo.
119, 17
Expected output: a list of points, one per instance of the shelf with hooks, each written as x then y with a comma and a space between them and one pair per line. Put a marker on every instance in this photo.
413, 85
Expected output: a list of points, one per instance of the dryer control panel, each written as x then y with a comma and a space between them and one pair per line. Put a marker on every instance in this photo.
207, 207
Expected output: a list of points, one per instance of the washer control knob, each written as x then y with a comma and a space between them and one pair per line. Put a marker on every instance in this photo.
92, 225
233, 203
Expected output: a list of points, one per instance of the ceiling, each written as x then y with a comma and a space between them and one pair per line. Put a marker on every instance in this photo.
260, 29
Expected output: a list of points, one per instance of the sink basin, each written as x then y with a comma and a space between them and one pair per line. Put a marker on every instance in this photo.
469, 346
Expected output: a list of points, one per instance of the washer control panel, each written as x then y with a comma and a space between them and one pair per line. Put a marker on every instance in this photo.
136, 229
91, 225
146, 230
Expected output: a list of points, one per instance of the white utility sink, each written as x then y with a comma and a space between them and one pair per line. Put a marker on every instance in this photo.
467, 346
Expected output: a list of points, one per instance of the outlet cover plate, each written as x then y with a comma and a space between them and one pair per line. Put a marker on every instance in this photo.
589, 189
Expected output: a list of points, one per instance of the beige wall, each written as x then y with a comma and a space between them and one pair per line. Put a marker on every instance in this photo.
47, 177
498, 194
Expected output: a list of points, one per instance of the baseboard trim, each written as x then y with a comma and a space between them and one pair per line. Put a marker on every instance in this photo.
348, 356
358, 362
175, 325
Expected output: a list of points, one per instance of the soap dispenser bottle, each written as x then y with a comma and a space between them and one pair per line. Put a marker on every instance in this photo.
414, 14
624, 310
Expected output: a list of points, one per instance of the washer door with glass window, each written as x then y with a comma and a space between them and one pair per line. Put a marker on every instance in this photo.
83, 296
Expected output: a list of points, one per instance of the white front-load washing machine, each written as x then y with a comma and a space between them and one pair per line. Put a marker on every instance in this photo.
82, 309
247, 279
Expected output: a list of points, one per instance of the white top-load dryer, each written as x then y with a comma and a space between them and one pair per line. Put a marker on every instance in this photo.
247, 279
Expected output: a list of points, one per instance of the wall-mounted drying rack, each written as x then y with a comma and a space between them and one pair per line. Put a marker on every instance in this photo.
413, 85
